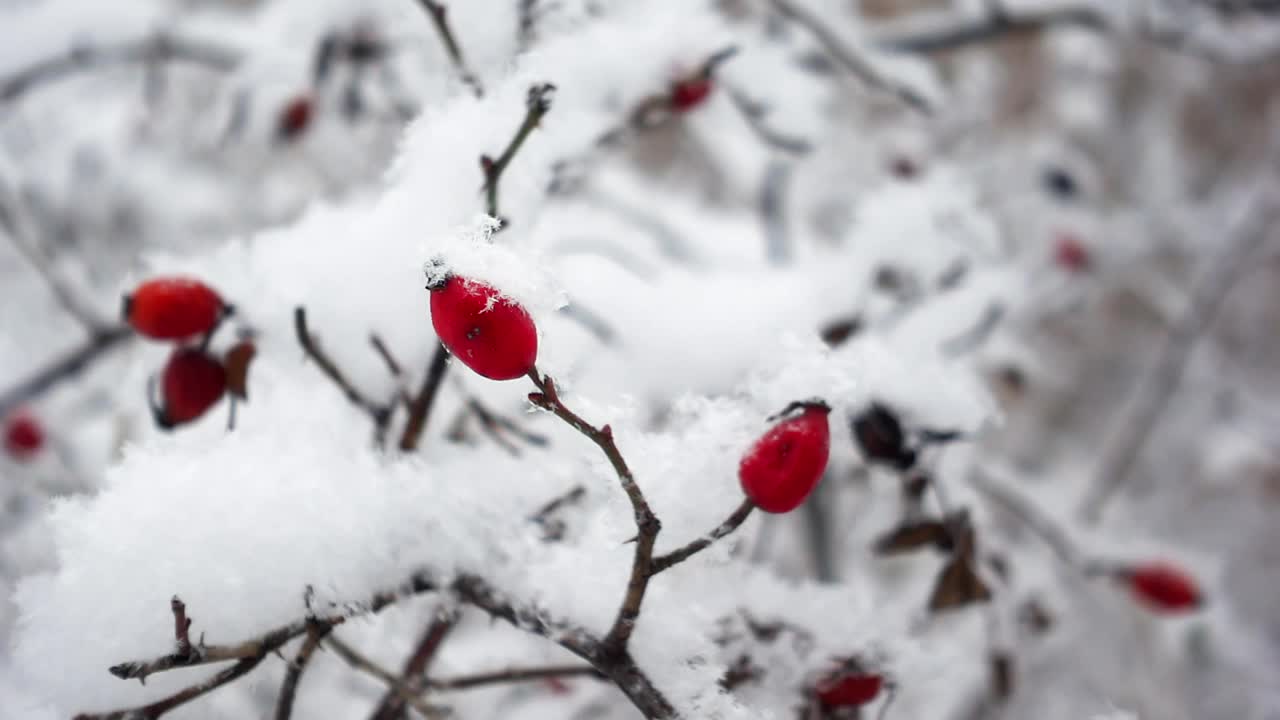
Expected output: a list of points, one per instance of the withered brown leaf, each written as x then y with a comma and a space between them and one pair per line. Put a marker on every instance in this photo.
236, 362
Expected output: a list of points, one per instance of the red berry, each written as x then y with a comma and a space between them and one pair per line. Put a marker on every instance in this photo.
23, 436
849, 689
489, 333
193, 382
1163, 587
786, 463
172, 308
295, 117
557, 686
689, 94
1071, 255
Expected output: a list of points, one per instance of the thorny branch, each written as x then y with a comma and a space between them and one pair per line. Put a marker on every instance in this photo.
647, 524
439, 15
537, 105
1157, 387
162, 706
160, 47
849, 58
731, 523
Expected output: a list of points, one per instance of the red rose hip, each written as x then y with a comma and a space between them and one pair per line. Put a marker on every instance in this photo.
850, 689
295, 117
1071, 255
1163, 587
23, 436
786, 463
193, 382
689, 94
488, 332
173, 308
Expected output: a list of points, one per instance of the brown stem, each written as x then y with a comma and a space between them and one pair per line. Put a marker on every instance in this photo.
647, 524
160, 707
381, 414
63, 368
289, 687
391, 706
362, 663
439, 15
513, 675
537, 105
731, 523
181, 626
420, 408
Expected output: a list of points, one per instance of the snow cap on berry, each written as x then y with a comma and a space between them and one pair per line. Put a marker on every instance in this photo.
470, 252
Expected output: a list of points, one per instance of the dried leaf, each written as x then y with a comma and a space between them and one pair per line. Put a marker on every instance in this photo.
236, 363
911, 536
958, 585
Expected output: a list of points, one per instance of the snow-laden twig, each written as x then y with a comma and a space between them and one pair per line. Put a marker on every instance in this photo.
1157, 387
960, 31
63, 368
158, 708
161, 47
848, 57
404, 692
439, 15
512, 675
379, 412
537, 105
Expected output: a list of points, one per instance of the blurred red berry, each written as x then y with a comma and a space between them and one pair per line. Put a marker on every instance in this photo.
487, 332
193, 382
23, 436
786, 463
1163, 587
172, 308
1071, 255
295, 117
849, 689
557, 686
689, 94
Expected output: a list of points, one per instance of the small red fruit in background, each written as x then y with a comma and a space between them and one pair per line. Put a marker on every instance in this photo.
1163, 587
489, 333
689, 94
23, 436
786, 463
172, 308
193, 382
295, 117
1071, 255
849, 689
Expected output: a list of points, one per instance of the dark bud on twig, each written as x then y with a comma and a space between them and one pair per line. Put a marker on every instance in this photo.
880, 437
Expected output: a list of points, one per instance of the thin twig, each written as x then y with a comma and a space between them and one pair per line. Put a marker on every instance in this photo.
424, 400
754, 112
1032, 518
160, 707
731, 523
963, 31
391, 707
1157, 387
299, 665
360, 662
849, 58
647, 524
537, 105
62, 368
161, 47
439, 15
512, 675
381, 414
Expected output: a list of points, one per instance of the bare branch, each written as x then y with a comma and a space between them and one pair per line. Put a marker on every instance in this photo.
381, 414
289, 688
537, 105
647, 524
160, 707
391, 707
160, 47
1159, 384
439, 15
362, 663
513, 675
731, 523
420, 408
849, 58
63, 368
959, 32
1033, 519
